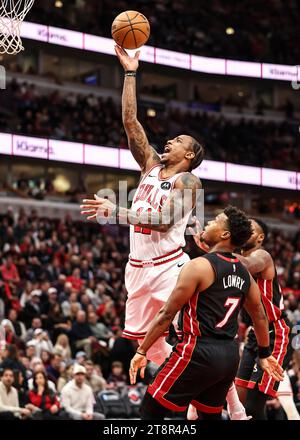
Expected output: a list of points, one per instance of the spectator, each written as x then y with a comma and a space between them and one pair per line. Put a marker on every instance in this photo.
35, 324
77, 397
62, 347
42, 342
30, 349
95, 380
32, 307
82, 334
66, 374
37, 367
19, 327
53, 370
99, 330
11, 360
9, 400
9, 271
117, 378
80, 358
10, 336
43, 402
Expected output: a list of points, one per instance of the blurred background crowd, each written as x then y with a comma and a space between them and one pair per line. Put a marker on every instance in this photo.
97, 120
248, 30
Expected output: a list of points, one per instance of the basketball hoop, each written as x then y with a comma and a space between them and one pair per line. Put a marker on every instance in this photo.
12, 14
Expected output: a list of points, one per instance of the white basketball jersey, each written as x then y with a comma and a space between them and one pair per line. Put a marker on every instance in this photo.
152, 193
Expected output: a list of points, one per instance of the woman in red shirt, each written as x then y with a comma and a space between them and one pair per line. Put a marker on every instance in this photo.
42, 400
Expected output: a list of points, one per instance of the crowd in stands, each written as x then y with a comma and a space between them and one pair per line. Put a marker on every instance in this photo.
95, 120
62, 299
195, 26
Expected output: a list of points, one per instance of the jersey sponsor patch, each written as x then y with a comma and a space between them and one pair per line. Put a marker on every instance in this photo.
165, 185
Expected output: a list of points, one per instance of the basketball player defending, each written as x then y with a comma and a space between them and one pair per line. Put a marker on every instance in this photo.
210, 291
254, 386
156, 255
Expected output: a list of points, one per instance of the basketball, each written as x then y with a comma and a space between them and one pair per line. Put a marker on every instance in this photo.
130, 30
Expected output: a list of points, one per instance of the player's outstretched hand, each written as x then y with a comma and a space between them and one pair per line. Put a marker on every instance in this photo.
271, 366
98, 207
196, 230
127, 62
137, 362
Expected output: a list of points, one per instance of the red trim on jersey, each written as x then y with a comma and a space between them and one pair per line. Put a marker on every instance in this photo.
279, 351
157, 264
156, 258
190, 321
167, 404
266, 290
206, 408
230, 260
126, 334
173, 368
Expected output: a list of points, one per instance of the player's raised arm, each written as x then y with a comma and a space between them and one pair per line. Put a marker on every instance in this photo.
139, 145
254, 307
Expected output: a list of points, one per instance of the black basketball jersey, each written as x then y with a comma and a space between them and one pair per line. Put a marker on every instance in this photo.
272, 300
214, 312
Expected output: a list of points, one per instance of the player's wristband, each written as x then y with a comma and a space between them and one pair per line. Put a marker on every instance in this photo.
130, 73
264, 352
141, 354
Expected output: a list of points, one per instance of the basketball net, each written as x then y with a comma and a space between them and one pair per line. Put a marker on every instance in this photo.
12, 14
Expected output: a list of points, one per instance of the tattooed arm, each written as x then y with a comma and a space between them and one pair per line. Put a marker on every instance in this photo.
256, 262
139, 145
180, 202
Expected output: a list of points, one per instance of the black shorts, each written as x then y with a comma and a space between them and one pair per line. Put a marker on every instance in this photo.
199, 371
250, 373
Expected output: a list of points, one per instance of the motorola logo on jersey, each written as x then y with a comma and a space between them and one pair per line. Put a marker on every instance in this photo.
165, 185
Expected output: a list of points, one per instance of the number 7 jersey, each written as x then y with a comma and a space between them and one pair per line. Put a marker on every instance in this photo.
151, 195
214, 312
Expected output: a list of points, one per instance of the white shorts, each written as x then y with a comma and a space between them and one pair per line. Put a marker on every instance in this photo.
285, 387
148, 290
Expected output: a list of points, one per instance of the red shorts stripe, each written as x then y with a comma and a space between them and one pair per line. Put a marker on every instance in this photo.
279, 351
166, 403
174, 368
206, 408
